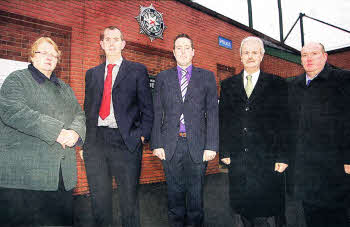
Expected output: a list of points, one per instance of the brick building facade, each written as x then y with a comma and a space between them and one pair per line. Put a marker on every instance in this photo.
340, 58
75, 26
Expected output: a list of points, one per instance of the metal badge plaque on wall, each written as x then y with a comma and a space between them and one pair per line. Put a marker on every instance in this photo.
151, 22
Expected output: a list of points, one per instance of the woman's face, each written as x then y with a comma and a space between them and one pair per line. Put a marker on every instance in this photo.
45, 58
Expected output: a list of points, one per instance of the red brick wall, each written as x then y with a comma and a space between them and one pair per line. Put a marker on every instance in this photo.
19, 32
340, 60
285, 69
87, 18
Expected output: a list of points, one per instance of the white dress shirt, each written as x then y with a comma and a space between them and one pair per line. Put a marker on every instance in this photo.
255, 77
110, 121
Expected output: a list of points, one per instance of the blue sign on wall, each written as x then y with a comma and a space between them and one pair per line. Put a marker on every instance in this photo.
225, 43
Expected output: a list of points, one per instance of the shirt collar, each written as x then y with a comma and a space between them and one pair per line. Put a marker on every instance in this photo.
117, 62
254, 75
40, 77
188, 69
308, 78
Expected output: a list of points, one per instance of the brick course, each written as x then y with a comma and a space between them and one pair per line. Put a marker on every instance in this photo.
75, 26
340, 59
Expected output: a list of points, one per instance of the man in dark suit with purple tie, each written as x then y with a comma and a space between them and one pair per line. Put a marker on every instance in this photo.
119, 114
185, 132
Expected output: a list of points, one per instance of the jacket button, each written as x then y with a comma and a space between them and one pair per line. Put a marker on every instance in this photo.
63, 157
245, 130
246, 149
247, 108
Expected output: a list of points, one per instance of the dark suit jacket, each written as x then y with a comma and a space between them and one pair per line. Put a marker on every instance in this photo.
252, 134
200, 110
320, 139
132, 102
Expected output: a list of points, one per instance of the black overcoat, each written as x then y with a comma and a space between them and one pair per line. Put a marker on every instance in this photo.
252, 134
320, 139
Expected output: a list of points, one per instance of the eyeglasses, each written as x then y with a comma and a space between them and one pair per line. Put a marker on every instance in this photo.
47, 54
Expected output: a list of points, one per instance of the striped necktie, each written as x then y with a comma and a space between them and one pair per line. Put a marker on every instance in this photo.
184, 84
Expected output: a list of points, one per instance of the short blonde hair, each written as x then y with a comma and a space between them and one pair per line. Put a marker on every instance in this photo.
34, 47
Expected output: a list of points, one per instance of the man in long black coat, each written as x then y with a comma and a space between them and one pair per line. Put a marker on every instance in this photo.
253, 117
319, 105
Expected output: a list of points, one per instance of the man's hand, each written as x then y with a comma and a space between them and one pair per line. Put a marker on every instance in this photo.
143, 140
227, 161
280, 167
347, 168
208, 155
159, 152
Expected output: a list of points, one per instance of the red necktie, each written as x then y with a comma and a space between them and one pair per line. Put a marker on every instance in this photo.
107, 91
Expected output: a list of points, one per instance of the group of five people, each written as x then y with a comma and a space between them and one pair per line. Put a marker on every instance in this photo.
265, 125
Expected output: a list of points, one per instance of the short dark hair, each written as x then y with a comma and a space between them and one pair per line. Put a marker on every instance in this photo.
102, 33
183, 35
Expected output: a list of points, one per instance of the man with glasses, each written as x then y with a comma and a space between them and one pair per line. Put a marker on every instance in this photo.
320, 143
119, 115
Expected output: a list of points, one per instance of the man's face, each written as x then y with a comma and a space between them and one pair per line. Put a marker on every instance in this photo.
183, 52
313, 58
112, 43
251, 55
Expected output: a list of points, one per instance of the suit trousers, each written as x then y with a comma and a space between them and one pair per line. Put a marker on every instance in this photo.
325, 217
185, 181
111, 157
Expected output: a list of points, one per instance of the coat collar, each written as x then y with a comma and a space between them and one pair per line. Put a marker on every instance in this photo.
260, 85
122, 73
174, 82
100, 73
195, 79
323, 75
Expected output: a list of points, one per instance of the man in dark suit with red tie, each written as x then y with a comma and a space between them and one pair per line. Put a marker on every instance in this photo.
185, 132
119, 115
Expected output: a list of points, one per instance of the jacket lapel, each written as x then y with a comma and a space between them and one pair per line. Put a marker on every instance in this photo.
122, 73
195, 79
301, 80
237, 87
174, 83
100, 76
259, 86
240, 86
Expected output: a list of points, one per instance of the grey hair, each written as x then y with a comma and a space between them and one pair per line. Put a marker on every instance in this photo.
253, 38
